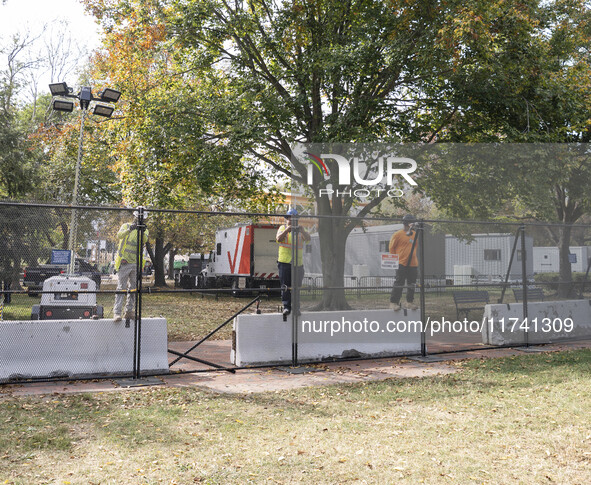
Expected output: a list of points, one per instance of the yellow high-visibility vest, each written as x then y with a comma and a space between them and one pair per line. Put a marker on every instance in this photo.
128, 245
285, 249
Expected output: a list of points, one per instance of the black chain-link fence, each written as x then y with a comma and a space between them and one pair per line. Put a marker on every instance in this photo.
200, 270
58, 292
457, 269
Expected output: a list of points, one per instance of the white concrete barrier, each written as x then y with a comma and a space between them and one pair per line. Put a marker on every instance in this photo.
49, 348
267, 339
548, 321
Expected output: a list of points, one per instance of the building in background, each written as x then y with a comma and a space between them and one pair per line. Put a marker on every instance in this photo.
547, 259
485, 258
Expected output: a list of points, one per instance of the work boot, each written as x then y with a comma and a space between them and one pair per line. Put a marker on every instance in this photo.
286, 311
116, 317
409, 305
394, 306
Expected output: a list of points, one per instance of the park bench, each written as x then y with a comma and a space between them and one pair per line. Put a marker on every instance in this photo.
532, 294
469, 300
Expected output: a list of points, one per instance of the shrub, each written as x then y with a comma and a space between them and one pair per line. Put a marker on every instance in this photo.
550, 281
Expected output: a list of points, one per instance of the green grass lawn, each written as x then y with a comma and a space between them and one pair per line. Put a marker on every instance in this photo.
189, 315
515, 420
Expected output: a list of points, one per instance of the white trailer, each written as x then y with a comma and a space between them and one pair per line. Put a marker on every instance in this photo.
245, 256
547, 259
485, 256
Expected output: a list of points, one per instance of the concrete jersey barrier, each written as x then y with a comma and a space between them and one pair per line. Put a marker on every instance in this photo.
548, 322
267, 339
50, 348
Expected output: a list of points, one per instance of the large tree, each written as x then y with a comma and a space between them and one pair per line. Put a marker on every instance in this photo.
337, 71
161, 152
535, 90
20, 230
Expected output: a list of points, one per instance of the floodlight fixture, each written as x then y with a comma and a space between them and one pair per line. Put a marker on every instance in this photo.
85, 97
110, 95
88, 102
59, 89
63, 105
103, 110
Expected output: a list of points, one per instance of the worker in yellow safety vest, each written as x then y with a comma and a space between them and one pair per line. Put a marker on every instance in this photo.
285, 256
126, 264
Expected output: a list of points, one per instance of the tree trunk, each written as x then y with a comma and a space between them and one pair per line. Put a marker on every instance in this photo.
333, 239
171, 256
333, 231
565, 285
157, 253
66, 234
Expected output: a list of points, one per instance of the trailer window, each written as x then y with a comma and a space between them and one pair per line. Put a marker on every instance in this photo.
218, 249
492, 254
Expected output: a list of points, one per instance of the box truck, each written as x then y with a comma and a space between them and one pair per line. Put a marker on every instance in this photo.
245, 256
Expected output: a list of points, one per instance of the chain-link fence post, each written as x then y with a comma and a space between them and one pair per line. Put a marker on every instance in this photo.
585, 278
141, 227
520, 232
295, 290
524, 282
421, 242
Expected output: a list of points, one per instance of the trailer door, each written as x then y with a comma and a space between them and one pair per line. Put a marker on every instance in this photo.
265, 252
233, 245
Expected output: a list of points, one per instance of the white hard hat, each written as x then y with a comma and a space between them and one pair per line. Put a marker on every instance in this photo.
136, 214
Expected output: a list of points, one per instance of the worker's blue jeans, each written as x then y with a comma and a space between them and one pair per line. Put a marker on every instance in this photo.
286, 282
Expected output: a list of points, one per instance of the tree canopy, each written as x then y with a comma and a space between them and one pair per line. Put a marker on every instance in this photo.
358, 71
